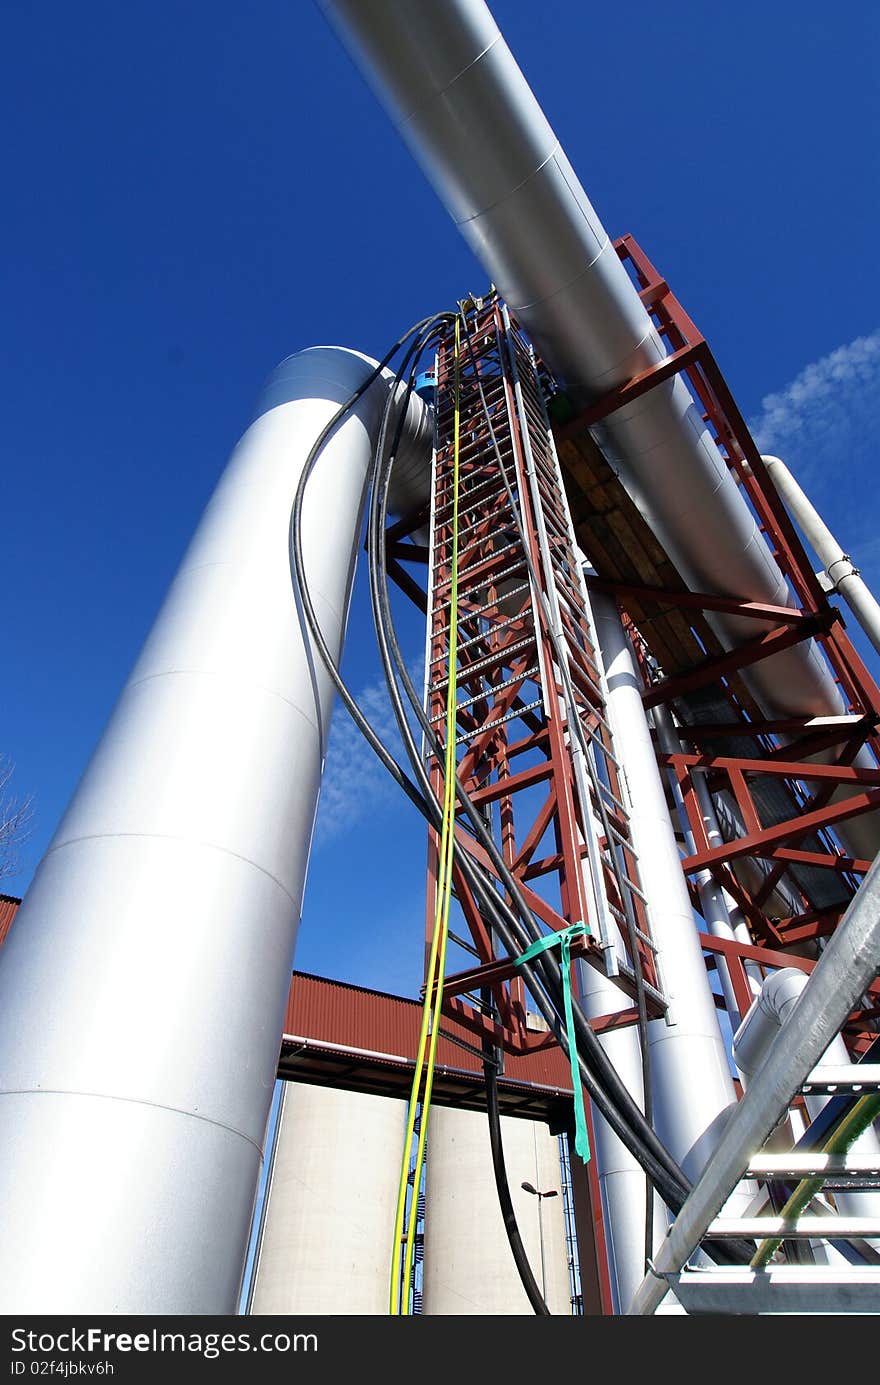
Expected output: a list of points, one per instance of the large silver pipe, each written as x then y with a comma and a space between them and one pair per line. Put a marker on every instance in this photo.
622, 1182
142, 991
693, 1087
464, 108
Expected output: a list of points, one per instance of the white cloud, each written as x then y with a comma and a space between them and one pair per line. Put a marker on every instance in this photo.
355, 783
824, 422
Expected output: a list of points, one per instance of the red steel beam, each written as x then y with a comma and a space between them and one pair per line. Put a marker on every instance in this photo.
783, 831
699, 601
711, 670
779, 769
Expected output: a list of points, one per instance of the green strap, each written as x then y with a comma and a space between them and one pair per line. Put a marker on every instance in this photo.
563, 939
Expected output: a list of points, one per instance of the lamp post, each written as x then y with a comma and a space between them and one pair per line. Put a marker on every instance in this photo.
552, 1192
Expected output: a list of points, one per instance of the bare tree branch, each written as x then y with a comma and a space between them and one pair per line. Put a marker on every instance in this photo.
16, 817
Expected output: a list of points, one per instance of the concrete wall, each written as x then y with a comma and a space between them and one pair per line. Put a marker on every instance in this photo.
469, 1267
329, 1221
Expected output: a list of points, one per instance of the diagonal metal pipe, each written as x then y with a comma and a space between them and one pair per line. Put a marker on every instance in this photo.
449, 82
846, 968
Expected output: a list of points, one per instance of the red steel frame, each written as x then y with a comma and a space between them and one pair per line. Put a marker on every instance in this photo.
510, 693
512, 722
515, 757
784, 744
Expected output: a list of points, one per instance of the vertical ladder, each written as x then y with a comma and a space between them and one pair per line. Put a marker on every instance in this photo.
531, 708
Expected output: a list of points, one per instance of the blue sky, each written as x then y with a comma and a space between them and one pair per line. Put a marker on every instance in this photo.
194, 191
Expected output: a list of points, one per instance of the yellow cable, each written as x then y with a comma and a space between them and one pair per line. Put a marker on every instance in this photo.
430, 1024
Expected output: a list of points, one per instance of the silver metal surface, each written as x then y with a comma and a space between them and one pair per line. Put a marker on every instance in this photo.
692, 1085
809, 1227
859, 1078
779, 1289
692, 1081
795, 1166
142, 991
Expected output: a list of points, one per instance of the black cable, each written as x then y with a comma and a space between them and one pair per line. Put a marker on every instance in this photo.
301, 585
496, 907
502, 1187
643, 1151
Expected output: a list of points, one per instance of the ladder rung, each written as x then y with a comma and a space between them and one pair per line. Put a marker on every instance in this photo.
809, 1227
598, 741
483, 635
490, 557
650, 990
492, 580
624, 841
621, 917
499, 721
608, 793
489, 606
468, 528
829, 1079
447, 504
468, 670
487, 693
793, 1166
633, 888
736, 1289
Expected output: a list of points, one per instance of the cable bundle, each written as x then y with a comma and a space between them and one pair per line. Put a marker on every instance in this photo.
510, 918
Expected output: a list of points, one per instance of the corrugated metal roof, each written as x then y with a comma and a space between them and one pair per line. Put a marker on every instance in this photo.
352, 1017
8, 909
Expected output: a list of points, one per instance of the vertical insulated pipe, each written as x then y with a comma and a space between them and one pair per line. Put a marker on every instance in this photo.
621, 1177
142, 991
839, 567
693, 1087
622, 1183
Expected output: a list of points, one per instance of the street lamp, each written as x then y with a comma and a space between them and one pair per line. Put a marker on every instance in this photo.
530, 1188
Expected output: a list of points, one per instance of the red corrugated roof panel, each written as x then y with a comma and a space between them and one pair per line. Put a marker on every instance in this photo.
8, 909
355, 1018
352, 1017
